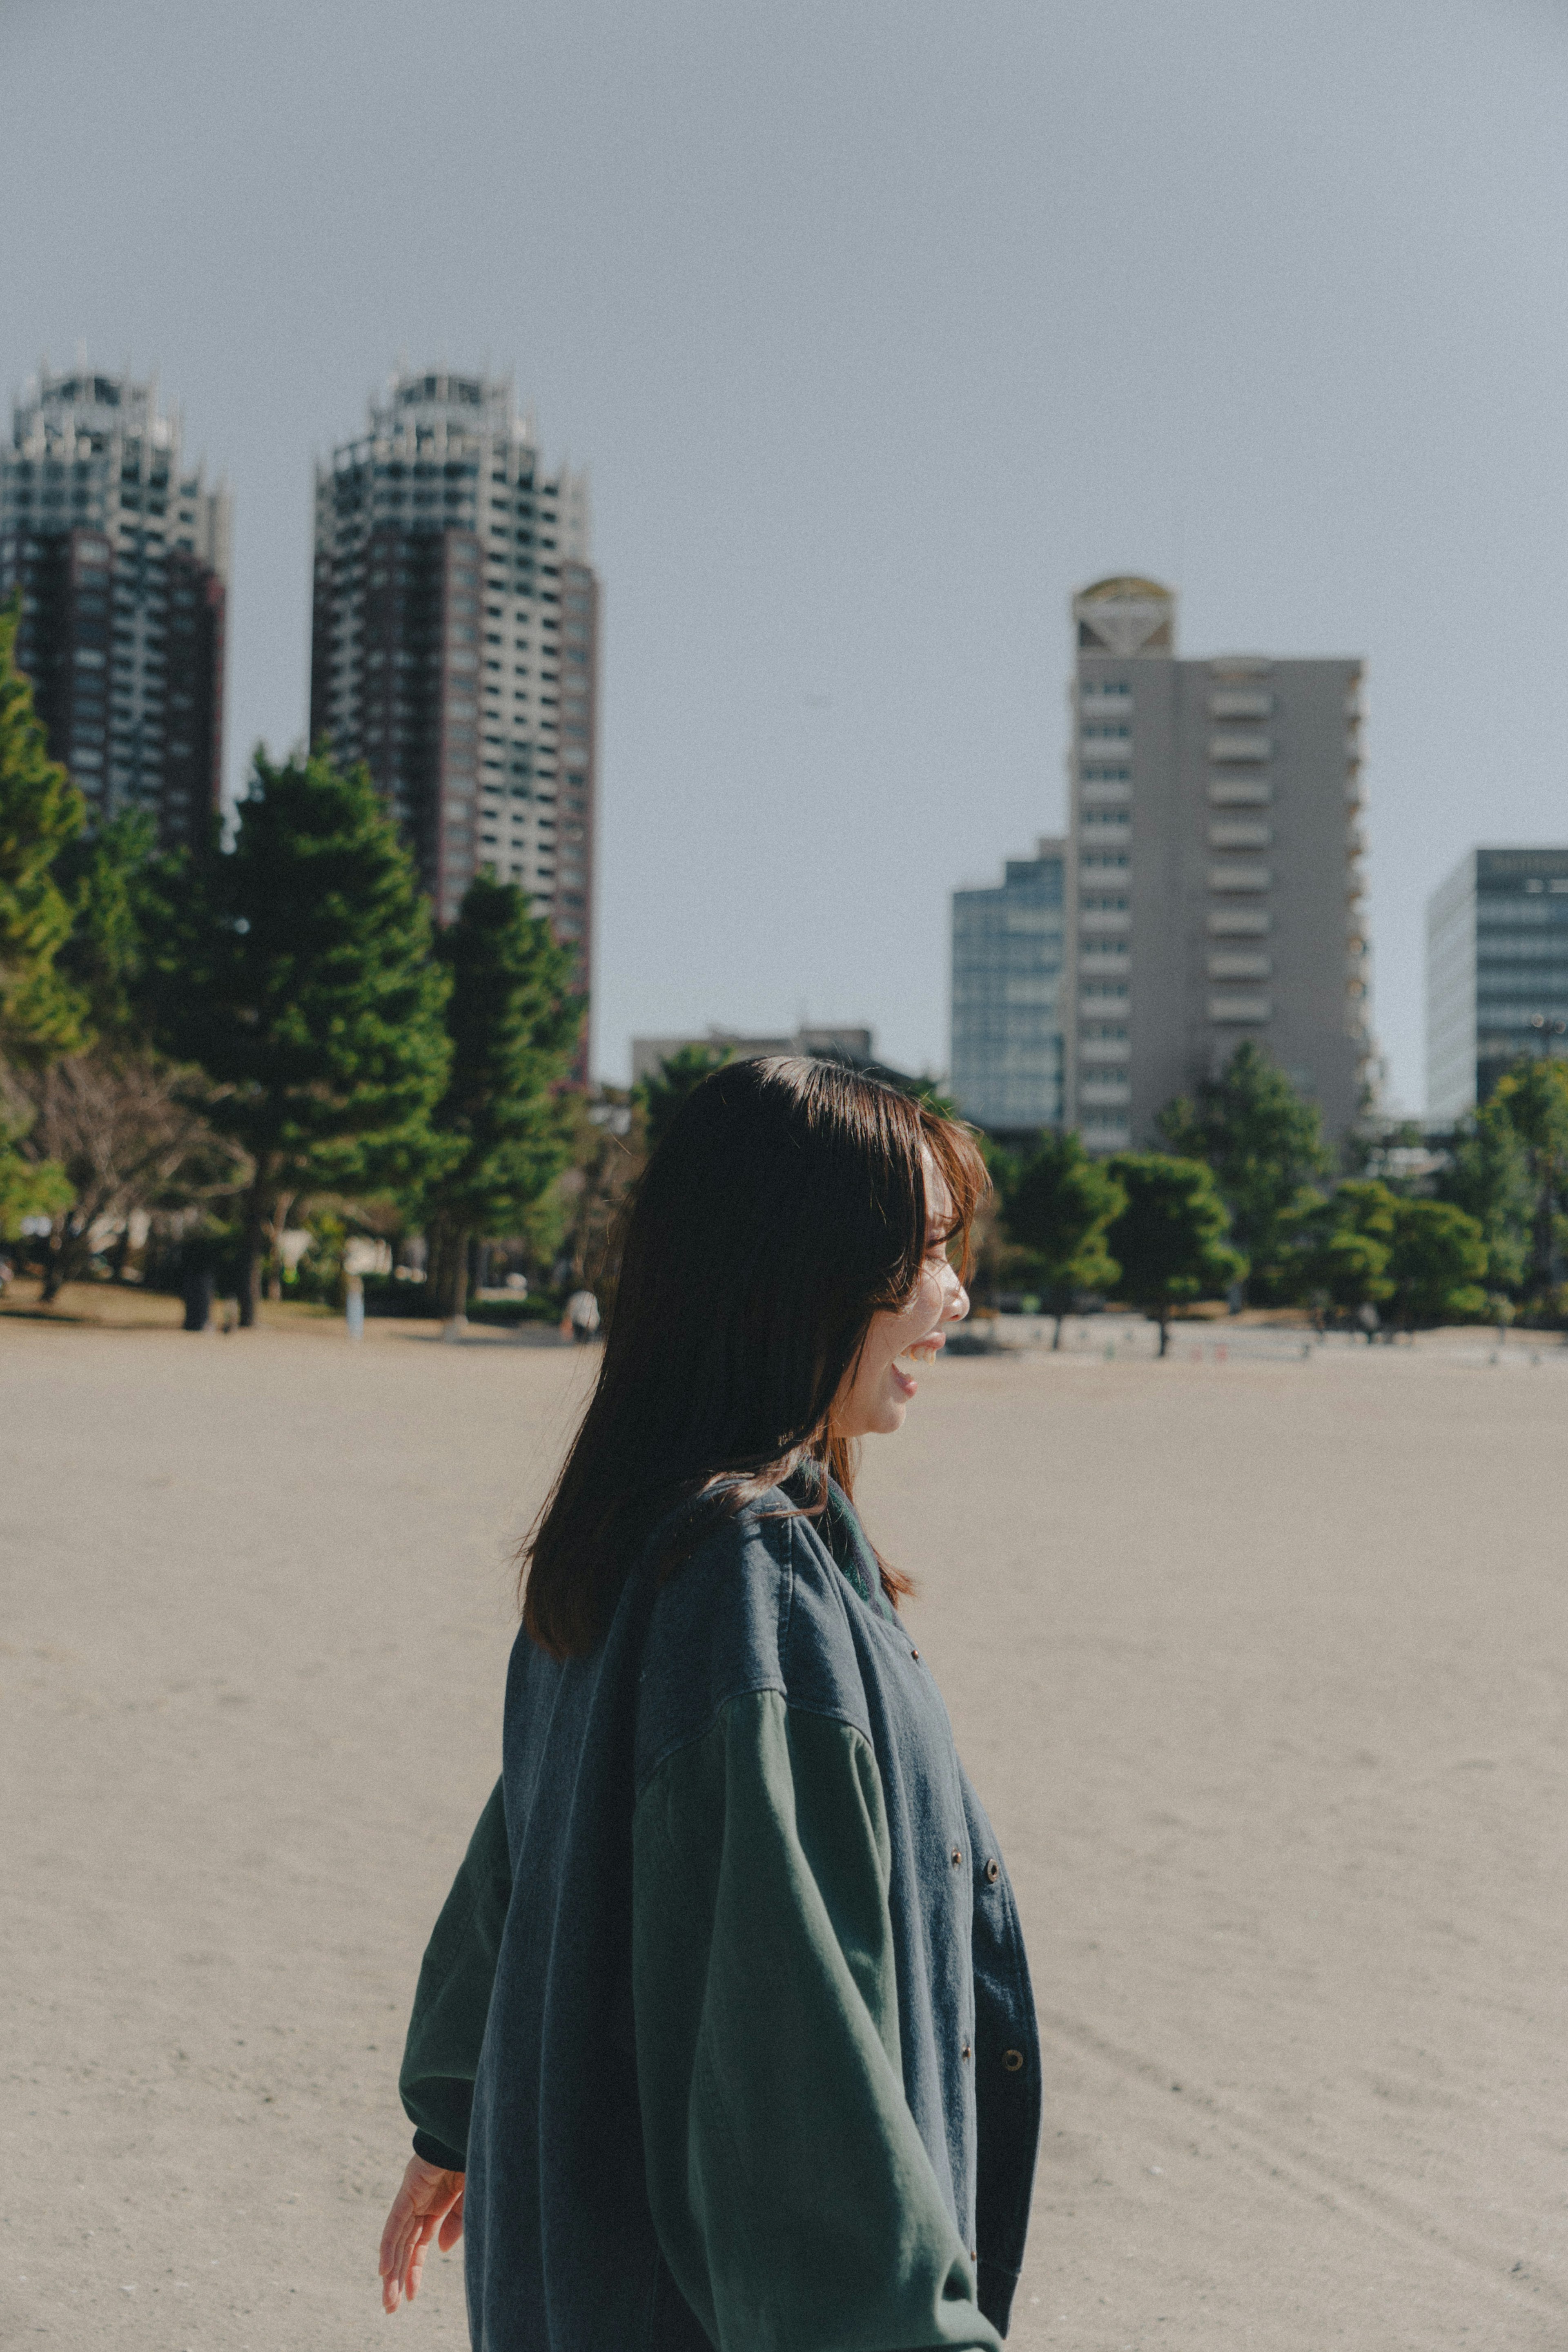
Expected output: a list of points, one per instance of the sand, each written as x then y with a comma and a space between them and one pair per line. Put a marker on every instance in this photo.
1259, 1665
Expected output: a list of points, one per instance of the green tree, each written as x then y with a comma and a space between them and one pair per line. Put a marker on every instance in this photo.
109, 875
40, 1012
1262, 1140
513, 1022
661, 1094
1488, 1176
296, 972
1058, 1208
40, 811
112, 1114
1437, 1264
1169, 1240
1533, 1097
1339, 1245
28, 1188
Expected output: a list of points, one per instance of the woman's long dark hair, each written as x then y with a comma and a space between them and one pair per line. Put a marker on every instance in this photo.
785, 1208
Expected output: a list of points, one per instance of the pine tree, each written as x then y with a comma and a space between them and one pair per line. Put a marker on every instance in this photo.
660, 1096
1489, 1177
295, 971
41, 1014
1263, 1142
1169, 1240
1436, 1264
1533, 1097
40, 811
1058, 1208
513, 1025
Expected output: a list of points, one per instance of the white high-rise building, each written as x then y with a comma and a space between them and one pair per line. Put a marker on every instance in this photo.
122, 558
1216, 891
455, 642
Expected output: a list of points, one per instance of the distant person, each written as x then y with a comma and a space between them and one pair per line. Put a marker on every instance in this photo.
725, 2035
581, 1317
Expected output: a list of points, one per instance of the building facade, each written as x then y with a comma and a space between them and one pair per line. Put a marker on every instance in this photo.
122, 558
1216, 889
1497, 972
1005, 1060
454, 642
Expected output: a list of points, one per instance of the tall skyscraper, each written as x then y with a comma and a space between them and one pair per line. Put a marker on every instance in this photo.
1497, 971
122, 558
1004, 1058
455, 642
1216, 892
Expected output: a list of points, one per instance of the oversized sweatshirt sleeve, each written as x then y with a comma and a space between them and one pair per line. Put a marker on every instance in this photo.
441, 2056
792, 2194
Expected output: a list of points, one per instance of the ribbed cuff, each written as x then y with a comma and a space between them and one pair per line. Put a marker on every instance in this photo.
436, 2151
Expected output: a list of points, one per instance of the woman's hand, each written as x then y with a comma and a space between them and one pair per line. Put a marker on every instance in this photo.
429, 2200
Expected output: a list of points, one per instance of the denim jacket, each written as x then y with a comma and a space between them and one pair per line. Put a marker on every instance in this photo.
728, 2018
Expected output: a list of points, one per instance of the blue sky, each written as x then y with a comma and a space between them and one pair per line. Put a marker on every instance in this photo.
880, 328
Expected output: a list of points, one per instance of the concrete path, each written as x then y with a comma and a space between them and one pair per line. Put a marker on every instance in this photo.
1262, 1666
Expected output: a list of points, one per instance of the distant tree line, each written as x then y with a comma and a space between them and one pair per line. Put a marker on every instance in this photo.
209, 1056
1248, 1199
222, 1044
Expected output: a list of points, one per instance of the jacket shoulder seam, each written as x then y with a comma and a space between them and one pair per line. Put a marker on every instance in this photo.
694, 1738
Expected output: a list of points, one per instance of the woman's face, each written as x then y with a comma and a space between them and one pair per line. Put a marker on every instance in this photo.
876, 1396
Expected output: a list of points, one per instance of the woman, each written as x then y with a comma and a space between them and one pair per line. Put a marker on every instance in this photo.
725, 2036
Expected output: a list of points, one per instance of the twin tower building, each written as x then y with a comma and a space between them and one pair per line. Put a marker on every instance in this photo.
454, 623
1209, 889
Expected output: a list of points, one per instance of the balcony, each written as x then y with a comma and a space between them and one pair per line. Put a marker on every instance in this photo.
1235, 964
1239, 833
1237, 922
1239, 792
1240, 702
1239, 745
1237, 873
1239, 1008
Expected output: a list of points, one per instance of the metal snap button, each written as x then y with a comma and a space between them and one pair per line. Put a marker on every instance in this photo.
958, 1857
966, 2053
1012, 2059
993, 1871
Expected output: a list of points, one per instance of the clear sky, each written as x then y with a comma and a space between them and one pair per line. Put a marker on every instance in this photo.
880, 328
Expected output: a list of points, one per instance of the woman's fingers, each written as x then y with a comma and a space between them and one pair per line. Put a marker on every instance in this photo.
391, 2251
452, 2225
429, 2200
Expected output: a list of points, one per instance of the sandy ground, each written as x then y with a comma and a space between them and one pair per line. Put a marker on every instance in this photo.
1260, 1665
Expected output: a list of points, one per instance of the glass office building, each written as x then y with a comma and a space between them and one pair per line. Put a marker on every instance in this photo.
1005, 1062
1497, 971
